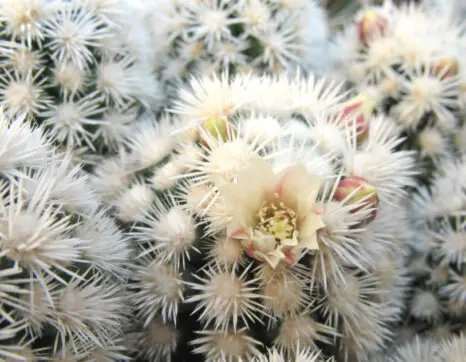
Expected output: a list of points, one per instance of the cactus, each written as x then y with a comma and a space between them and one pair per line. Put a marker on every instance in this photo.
179, 181
201, 37
409, 60
419, 349
437, 308
253, 227
62, 294
74, 67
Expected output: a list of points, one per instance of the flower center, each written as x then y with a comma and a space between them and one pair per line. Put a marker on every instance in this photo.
277, 219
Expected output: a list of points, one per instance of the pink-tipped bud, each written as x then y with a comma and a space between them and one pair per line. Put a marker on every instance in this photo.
445, 67
362, 127
357, 112
357, 191
370, 25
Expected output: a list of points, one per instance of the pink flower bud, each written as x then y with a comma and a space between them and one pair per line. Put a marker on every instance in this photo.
362, 127
445, 67
357, 112
356, 190
370, 25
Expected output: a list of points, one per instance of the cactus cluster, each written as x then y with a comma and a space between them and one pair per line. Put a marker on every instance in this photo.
200, 37
437, 308
408, 64
261, 220
74, 67
62, 293
409, 61
225, 181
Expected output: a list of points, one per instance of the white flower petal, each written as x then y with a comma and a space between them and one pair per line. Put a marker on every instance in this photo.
298, 188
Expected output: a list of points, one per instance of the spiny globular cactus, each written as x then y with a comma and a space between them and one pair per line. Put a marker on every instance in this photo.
430, 349
78, 67
437, 307
262, 219
201, 37
62, 294
409, 61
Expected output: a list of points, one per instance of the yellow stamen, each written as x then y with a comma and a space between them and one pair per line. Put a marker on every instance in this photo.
277, 219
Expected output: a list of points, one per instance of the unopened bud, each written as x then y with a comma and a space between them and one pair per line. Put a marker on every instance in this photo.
357, 112
361, 126
445, 67
217, 127
370, 25
357, 191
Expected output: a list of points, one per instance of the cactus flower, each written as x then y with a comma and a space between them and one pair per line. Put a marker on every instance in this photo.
275, 216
